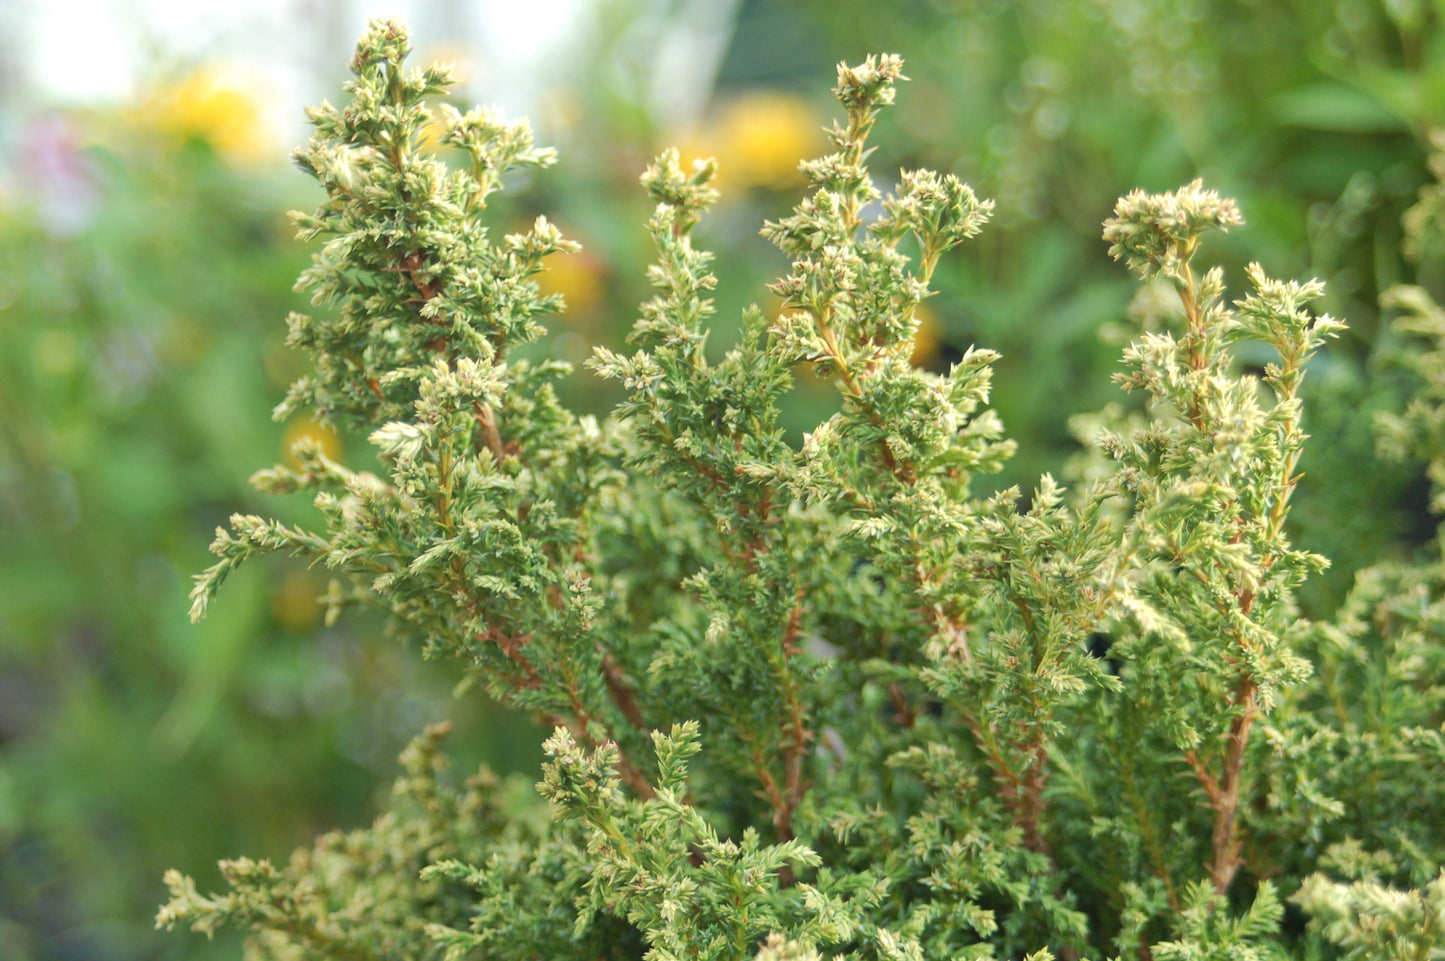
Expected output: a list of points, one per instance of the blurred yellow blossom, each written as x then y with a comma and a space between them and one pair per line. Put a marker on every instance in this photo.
295, 602
214, 106
432, 134
758, 139
461, 67
927, 338
306, 428
578, 278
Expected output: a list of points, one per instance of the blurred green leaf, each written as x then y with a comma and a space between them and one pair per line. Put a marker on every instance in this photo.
1335, 106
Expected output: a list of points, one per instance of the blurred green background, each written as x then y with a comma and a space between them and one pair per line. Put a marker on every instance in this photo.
145, 272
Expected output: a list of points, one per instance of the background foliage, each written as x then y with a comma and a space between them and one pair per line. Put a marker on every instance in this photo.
144, 270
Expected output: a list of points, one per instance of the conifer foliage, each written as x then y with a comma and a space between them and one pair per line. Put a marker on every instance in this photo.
832, 698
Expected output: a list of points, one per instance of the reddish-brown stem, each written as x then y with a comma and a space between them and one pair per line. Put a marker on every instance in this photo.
782, 814
1003, 773
1032, 797
1225, 843
491, 436
411, 265
633, 778
794, 627
1222, 790
511, 645
581, 726
785, 798
756, 543
706, 470
903, 710
796, 749
1022, 793
622, 695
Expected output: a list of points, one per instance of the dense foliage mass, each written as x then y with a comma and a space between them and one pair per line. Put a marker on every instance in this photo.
836, 698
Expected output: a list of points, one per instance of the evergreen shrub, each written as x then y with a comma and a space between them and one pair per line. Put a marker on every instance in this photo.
836, 698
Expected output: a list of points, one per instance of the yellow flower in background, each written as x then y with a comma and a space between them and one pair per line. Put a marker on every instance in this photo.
295, 602
758, 139
578, 278
461, 66
304, 428
432, 134
927, 338
214, 107
767, 133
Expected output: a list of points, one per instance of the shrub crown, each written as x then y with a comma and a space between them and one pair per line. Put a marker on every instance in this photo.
829, 698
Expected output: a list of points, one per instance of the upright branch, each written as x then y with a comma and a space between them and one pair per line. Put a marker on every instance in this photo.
477, 543
899, 458
902, 450
1209, 481
710, 432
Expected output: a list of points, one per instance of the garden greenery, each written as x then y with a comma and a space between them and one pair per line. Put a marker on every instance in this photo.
835, 698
